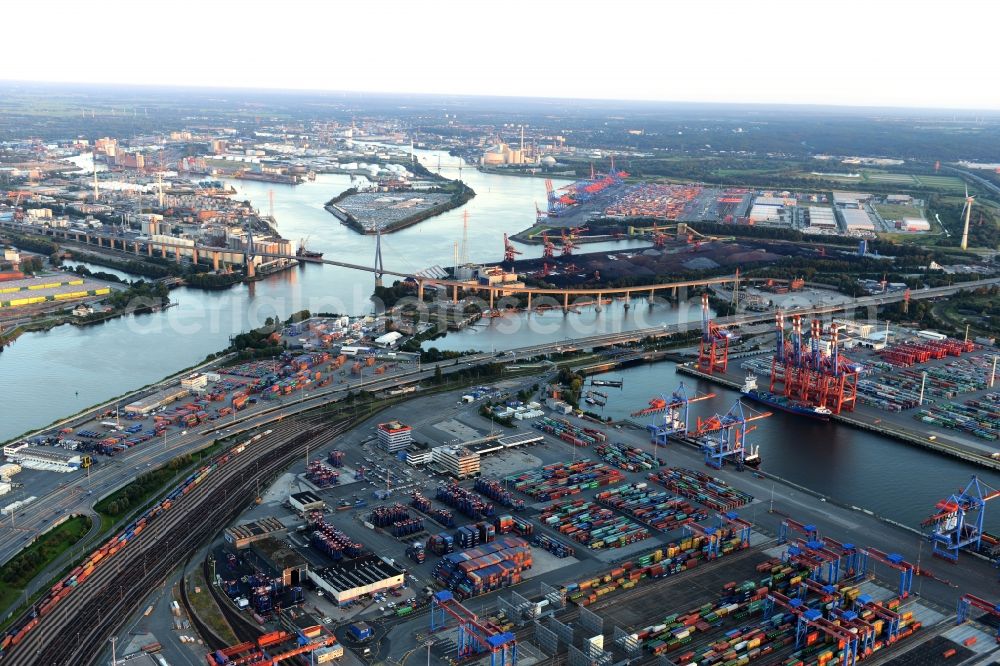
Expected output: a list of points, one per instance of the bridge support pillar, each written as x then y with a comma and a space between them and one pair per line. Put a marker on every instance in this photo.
454, 294
675, 294
86, 239
194, 256
99, 241
163, 251
492, 295
628, 300
652, 295
251, 268
149, 249
135, 248
597, 302
420, 290
529, 301
215, 261
565, 302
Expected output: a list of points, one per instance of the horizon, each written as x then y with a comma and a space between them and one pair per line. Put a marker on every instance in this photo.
107, 86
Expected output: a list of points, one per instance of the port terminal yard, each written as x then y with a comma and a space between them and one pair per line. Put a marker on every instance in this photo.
932, 599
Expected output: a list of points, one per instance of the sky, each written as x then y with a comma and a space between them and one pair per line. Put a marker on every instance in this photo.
843, 52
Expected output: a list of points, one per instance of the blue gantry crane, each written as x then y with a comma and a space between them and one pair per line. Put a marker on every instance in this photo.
475, 636
970, 601
676, 414
724, 436
958, 522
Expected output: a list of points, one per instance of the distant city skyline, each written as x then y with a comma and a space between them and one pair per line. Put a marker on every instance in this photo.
850, 53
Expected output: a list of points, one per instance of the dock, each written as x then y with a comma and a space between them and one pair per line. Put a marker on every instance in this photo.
881, 428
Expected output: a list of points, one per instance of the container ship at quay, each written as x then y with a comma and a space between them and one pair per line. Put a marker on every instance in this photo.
751, 391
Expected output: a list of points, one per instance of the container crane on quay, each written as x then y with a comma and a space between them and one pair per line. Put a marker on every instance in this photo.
675, 409
725, 436
958, 521
811, 382
713, 352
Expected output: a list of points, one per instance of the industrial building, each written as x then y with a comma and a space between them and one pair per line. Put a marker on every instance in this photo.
346, 581
390, 339
393, 436
47, 458
856, 219
915, 224
822, 218
306, 501
241, 536
459, 461
153, 402
195, 383
276, 559
415, 458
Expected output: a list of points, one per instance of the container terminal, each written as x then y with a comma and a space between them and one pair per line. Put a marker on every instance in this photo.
537, 558
468, 514
916, 385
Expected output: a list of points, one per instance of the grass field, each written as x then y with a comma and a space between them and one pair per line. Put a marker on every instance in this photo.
19, 571
914, 180
896, 212
206, 608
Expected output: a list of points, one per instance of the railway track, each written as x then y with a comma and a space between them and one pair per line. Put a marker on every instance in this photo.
74, 632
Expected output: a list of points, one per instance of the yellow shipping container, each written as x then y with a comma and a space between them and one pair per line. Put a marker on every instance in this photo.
45, 285
72, 294
9, 290
102, 291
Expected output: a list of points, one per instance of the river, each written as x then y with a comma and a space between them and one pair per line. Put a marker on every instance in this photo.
68, 368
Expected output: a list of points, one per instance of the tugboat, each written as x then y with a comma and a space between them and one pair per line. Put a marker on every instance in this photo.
751, 391
303, 253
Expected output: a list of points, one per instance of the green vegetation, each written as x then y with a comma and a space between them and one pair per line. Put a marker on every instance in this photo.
31, 265
22, 569
978, 309
984, 223
99, 275
897, 212
143, 488
204, 605
572, 383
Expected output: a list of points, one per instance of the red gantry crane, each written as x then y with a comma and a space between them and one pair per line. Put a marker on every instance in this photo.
509, 251
713, 352
271, 649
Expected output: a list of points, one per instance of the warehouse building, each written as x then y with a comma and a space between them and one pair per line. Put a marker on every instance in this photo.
45, 458
915, 224
393, 436
459, 461
241, 536
822, 218
306, 501
273, 558
856, 219
346, 581
153, 402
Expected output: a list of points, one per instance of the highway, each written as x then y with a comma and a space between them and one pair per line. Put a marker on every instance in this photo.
79, 495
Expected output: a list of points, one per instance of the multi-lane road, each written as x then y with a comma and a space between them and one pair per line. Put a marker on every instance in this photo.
79, 495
